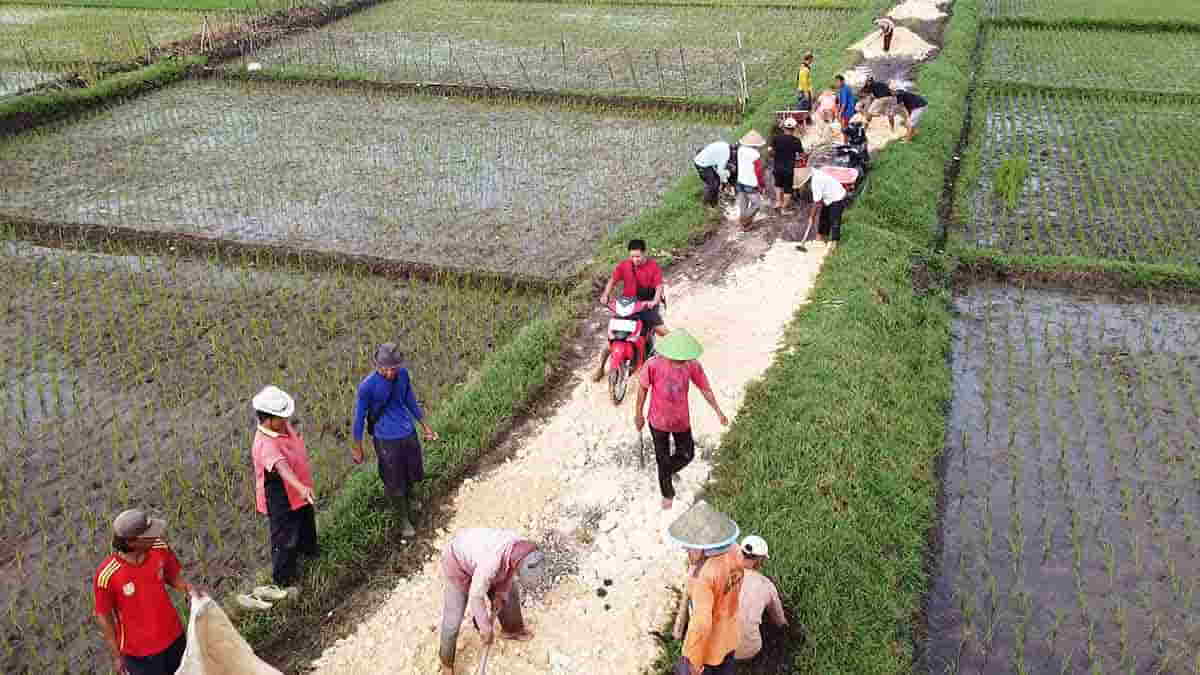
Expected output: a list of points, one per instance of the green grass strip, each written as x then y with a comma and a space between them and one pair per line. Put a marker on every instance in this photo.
1089, 22
1074, 271
43, 108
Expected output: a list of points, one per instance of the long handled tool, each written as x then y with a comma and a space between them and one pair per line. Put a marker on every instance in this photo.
804, 237
642, 449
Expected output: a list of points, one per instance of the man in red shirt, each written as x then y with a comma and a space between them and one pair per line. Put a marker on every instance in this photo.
666, 378
640, 277
140, 625
283, 484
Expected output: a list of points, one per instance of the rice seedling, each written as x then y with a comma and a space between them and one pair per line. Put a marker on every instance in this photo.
1097, 12
457, 184
159, 411
1103, 178
684, 52
1080, 564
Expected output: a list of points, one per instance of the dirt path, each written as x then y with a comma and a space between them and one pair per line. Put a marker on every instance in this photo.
574, 483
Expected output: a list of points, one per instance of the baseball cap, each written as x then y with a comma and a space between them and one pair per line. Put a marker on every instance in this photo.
755, 545
532, 565
274, 401
135, 523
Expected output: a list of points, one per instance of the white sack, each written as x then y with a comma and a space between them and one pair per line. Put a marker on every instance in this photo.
214, 647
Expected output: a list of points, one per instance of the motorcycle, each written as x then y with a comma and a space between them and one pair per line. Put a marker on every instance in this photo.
628, 344
853, 153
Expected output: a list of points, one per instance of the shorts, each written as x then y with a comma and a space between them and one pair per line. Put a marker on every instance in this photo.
914, 117
784, 180
650, 317
882, 106
165, 662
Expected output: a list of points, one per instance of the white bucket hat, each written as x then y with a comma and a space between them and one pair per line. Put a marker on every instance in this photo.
756, 546
274, 401
789, 123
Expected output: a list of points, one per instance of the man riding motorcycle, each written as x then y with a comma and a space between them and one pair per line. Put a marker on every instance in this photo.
640, 278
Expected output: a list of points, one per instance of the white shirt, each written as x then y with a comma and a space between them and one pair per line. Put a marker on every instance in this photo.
746, 157
715, 155
825, 188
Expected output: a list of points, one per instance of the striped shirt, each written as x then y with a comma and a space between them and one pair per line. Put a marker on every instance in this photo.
136, 596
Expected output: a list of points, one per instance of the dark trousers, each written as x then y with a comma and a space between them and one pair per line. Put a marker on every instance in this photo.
712, 183
830, 226
452, 617
293, 532
887, 42
670, 464
401, 464
725, 667
165, 662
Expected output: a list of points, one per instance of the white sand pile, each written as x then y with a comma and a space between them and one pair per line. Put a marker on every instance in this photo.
920, 10
904, 43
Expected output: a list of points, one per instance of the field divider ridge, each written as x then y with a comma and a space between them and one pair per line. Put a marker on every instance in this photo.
87, 236
1128, 25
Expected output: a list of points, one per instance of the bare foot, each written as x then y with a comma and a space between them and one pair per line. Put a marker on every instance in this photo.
667, 504
524, 636
447, 670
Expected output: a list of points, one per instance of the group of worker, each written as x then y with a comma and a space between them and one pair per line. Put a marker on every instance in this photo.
875, 98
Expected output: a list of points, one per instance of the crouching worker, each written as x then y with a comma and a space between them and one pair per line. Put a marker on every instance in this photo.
139, 624
481, 567
283, 489
713, 164
758, 595
829, 200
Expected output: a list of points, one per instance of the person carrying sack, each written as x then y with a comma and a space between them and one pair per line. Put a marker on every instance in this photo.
386, 408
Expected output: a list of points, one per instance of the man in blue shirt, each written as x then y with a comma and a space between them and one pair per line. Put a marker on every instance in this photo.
386, 409
845, 100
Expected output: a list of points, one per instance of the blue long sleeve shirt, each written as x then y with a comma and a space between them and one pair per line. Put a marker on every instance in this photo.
846, 99
394, 421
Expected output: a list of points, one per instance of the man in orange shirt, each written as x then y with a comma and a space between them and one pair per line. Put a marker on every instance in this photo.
714, 585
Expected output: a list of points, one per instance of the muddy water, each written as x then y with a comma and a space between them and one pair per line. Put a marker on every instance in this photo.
1070, 536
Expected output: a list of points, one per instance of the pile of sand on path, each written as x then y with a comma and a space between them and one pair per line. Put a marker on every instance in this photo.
920, 10
904, 43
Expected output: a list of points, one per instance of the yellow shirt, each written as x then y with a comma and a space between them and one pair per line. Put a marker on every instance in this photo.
804, 79
713, 593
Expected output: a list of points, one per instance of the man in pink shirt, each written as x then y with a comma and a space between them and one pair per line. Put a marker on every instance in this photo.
667, 377
481, 567
283, 485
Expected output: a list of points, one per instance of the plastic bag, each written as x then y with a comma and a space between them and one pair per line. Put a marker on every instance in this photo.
214, 647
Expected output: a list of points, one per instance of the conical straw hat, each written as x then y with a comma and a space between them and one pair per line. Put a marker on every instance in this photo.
753, 139
679, 345
703, 527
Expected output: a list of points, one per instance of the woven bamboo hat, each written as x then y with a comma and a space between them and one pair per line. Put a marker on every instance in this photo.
679, 345
703, 528
753, 139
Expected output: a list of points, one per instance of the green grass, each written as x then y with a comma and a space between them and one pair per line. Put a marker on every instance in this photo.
1161, 13
210, 5
1074, 271
33, 35
1093, 59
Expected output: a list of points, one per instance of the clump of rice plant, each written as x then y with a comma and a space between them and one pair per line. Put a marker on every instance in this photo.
1010, 177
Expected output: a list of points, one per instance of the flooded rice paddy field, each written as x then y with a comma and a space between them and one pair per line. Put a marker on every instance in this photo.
13, 81
654, 51
1070, 539
450, 183
1114, 60
126, 379
1106, 179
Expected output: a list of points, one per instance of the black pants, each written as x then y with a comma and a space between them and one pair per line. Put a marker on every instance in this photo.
293, 532
712, 183
671, 464
830, 226
887, 42
725, 667
165, 662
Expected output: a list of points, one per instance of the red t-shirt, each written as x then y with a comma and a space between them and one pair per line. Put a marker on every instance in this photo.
147, 622
668, 385
646, 276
